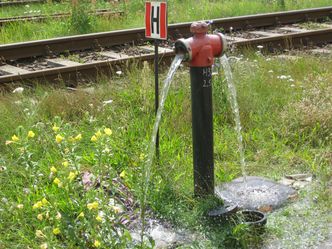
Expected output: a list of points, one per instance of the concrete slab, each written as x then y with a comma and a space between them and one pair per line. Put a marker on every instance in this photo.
9, 69
161, 50
235, 39
264, 33
256, 193
293, 29
114, 55
322, 51
59, 62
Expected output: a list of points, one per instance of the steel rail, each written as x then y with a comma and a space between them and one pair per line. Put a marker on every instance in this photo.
108, 39
90, 70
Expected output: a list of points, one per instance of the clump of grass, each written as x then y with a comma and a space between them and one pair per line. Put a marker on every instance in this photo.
312, 114
81, 19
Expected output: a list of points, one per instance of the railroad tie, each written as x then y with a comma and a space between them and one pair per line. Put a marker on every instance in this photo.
9, 69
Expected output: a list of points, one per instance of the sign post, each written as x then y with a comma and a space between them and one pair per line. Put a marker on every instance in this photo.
156, 28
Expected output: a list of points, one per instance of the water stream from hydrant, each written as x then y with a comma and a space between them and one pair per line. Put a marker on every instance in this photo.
152, 147
236, 112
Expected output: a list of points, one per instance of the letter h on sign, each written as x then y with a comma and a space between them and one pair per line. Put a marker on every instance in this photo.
156, 20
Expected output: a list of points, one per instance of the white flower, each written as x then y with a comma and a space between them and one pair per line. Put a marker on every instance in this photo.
118, 72
107, 102
18, 90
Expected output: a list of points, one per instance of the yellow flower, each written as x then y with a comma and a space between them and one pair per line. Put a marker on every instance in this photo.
99, 218
57, 182
55, 128
92, 205
44, 201
39, 234
58, 138
20, 206
108, 131
78, 137
56, 231
65, 164
53, 169
98, 134
44, 246
94, 138
40, 217
37, 205
31, 134
15, 138
58, 216
96, 243
81, 215
123, 174
72, 176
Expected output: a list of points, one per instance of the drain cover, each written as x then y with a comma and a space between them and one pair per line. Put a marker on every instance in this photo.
256, 193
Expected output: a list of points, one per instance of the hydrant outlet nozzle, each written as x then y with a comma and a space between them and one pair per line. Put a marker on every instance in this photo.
183, 47
201, 49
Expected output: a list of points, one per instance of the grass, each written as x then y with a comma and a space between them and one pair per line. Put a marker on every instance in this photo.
286, 115
45, 8
179, 11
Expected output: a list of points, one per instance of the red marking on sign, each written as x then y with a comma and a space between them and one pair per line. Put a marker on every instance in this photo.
148, 19
156, 20
163, 21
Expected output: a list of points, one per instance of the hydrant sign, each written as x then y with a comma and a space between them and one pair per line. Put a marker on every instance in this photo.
156, 20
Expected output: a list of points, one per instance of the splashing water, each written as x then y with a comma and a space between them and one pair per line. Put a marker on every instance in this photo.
152, 148
235, 108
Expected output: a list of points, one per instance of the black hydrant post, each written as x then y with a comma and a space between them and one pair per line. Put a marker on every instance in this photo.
200, 50
202, 130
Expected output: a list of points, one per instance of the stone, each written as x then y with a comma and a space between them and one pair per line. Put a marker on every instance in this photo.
300, 184
286, 181
298, 176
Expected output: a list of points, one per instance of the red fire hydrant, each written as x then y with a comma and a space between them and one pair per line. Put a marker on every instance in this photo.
200, 50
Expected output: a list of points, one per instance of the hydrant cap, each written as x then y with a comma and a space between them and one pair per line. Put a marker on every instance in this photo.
199, 28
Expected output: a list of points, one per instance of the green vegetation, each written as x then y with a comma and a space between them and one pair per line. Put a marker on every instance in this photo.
45, 9
50, 137
179, 11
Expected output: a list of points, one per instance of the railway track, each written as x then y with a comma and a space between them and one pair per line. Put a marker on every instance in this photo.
84, 56
39, 18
